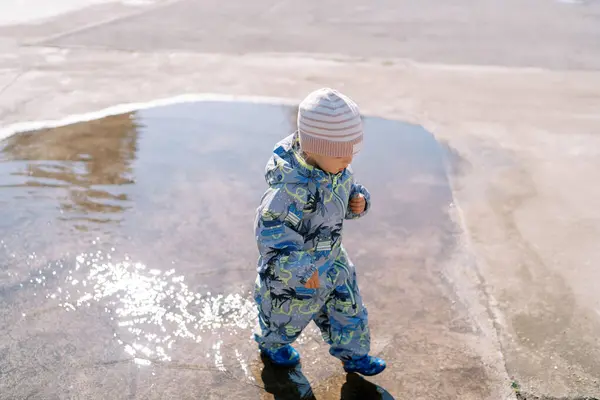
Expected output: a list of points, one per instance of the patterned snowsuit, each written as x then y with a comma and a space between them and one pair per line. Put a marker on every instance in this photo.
298, 231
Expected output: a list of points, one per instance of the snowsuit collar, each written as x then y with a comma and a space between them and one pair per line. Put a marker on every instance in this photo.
287, 165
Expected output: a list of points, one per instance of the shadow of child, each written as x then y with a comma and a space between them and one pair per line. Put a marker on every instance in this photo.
291, 384
286, 383
358, 388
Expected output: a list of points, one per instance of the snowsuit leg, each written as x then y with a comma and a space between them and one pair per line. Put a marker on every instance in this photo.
349, 332
336, 308
283, 311
321, 319
343, 319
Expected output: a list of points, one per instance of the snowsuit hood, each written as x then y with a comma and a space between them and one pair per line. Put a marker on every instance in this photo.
287, 166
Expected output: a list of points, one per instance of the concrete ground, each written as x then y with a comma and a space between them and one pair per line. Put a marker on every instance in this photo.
512, 90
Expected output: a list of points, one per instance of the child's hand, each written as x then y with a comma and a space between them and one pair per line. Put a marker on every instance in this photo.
358, 204
313, 282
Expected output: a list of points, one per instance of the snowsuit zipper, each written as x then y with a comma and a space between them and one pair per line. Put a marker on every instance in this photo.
334, 181
350, 291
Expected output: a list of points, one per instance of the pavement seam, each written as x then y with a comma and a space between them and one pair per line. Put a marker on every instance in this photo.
86, 27
13, 81
481, 283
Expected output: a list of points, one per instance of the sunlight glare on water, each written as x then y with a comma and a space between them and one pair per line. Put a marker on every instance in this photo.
153, 309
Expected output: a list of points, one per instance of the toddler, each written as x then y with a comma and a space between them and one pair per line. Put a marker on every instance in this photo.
304, 273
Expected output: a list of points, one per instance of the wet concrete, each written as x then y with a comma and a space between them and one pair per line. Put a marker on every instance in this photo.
525, 140
127, 258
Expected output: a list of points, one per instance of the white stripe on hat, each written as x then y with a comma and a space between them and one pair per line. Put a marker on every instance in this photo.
327, 117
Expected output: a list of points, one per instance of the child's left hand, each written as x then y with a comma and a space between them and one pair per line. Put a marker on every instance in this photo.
358, 204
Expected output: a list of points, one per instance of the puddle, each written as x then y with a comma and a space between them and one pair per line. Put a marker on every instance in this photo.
127, 253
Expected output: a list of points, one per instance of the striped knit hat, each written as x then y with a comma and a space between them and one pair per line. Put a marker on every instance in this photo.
329, 124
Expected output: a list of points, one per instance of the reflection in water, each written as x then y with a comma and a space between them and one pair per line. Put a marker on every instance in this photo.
90, 161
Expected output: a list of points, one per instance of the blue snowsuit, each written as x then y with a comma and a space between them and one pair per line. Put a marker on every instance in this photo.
299, 231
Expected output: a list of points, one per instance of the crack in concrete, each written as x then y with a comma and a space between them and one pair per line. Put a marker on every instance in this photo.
12, 82
525, 396
79, 29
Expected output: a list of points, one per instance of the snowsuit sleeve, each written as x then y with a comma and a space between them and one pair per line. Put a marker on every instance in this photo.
278, 236
356, 189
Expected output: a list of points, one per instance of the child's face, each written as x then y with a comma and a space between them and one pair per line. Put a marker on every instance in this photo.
333, 165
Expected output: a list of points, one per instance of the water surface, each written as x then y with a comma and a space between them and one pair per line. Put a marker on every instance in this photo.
127, 252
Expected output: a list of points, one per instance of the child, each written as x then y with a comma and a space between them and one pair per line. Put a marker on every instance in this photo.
304, 273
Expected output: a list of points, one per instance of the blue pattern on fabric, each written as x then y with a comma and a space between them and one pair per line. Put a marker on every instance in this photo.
298, 230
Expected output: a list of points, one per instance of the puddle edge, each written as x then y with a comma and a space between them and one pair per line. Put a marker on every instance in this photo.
28, 126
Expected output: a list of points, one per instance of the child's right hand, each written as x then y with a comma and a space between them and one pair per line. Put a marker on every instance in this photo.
313, 282
358, 204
